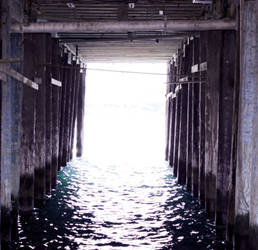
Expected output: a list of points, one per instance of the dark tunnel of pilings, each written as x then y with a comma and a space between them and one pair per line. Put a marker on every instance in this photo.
211, 123
203, 122
43, 118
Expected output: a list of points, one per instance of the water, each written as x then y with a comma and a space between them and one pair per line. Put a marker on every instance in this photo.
118, 207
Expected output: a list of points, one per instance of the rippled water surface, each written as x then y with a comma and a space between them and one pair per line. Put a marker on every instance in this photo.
117, 207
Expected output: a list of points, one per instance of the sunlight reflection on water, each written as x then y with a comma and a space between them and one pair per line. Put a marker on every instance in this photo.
104, 208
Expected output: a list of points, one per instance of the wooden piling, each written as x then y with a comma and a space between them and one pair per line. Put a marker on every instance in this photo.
253, 231
10, 130
26, 198
246, 222
64, 74
189, 121
195, 122
80, 114
48, 114
16, 51
225, 129
234, 146
177, 121
168, 115
67, 114
40, 126
203, 76
172, 114
181, 169
74, 106
55, 111
212, 119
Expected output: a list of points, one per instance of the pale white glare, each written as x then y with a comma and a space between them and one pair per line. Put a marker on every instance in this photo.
124, 120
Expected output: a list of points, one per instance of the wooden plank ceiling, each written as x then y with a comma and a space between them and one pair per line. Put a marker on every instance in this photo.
136, 46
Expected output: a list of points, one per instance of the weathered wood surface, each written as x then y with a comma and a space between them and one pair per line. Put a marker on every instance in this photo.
212, 119
181, 169
203, 75
75, 106
26, 196
55, 111
48, 115
195, 122
172, 116
80, 114
246, 208
225, 130
11, 112
64, 74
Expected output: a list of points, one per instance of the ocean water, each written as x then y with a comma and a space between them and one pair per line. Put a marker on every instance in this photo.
118, 207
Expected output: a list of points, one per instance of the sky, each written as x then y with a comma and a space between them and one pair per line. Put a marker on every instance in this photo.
125, 114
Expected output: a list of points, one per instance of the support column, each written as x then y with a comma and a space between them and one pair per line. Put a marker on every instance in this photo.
225, 129
71, 107
40, 126
172, 114
28, 129
80, 114
55, 111
253, 233
48, 114
181, 170
64, 74
168, 114
16, 51
10, 129
203, 75
189, 121
246, 173
75, 106
68, 82
195, 122
177, 120
212, 119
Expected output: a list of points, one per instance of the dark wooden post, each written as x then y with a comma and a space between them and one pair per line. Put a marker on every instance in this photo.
26, 198
189, 120
246, 227
172, 114
214, 43
177, 119
75, 106
168, 114
203, 76
39, 41
71, 108
233, 161
55, 111
11, 114
64, 75
195, 122
68, 82
80, 113
225, 129
181, 170
48, 114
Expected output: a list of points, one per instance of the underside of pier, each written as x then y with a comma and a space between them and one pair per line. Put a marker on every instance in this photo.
210, 48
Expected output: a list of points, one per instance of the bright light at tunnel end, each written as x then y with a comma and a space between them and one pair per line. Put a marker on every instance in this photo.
125, 114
